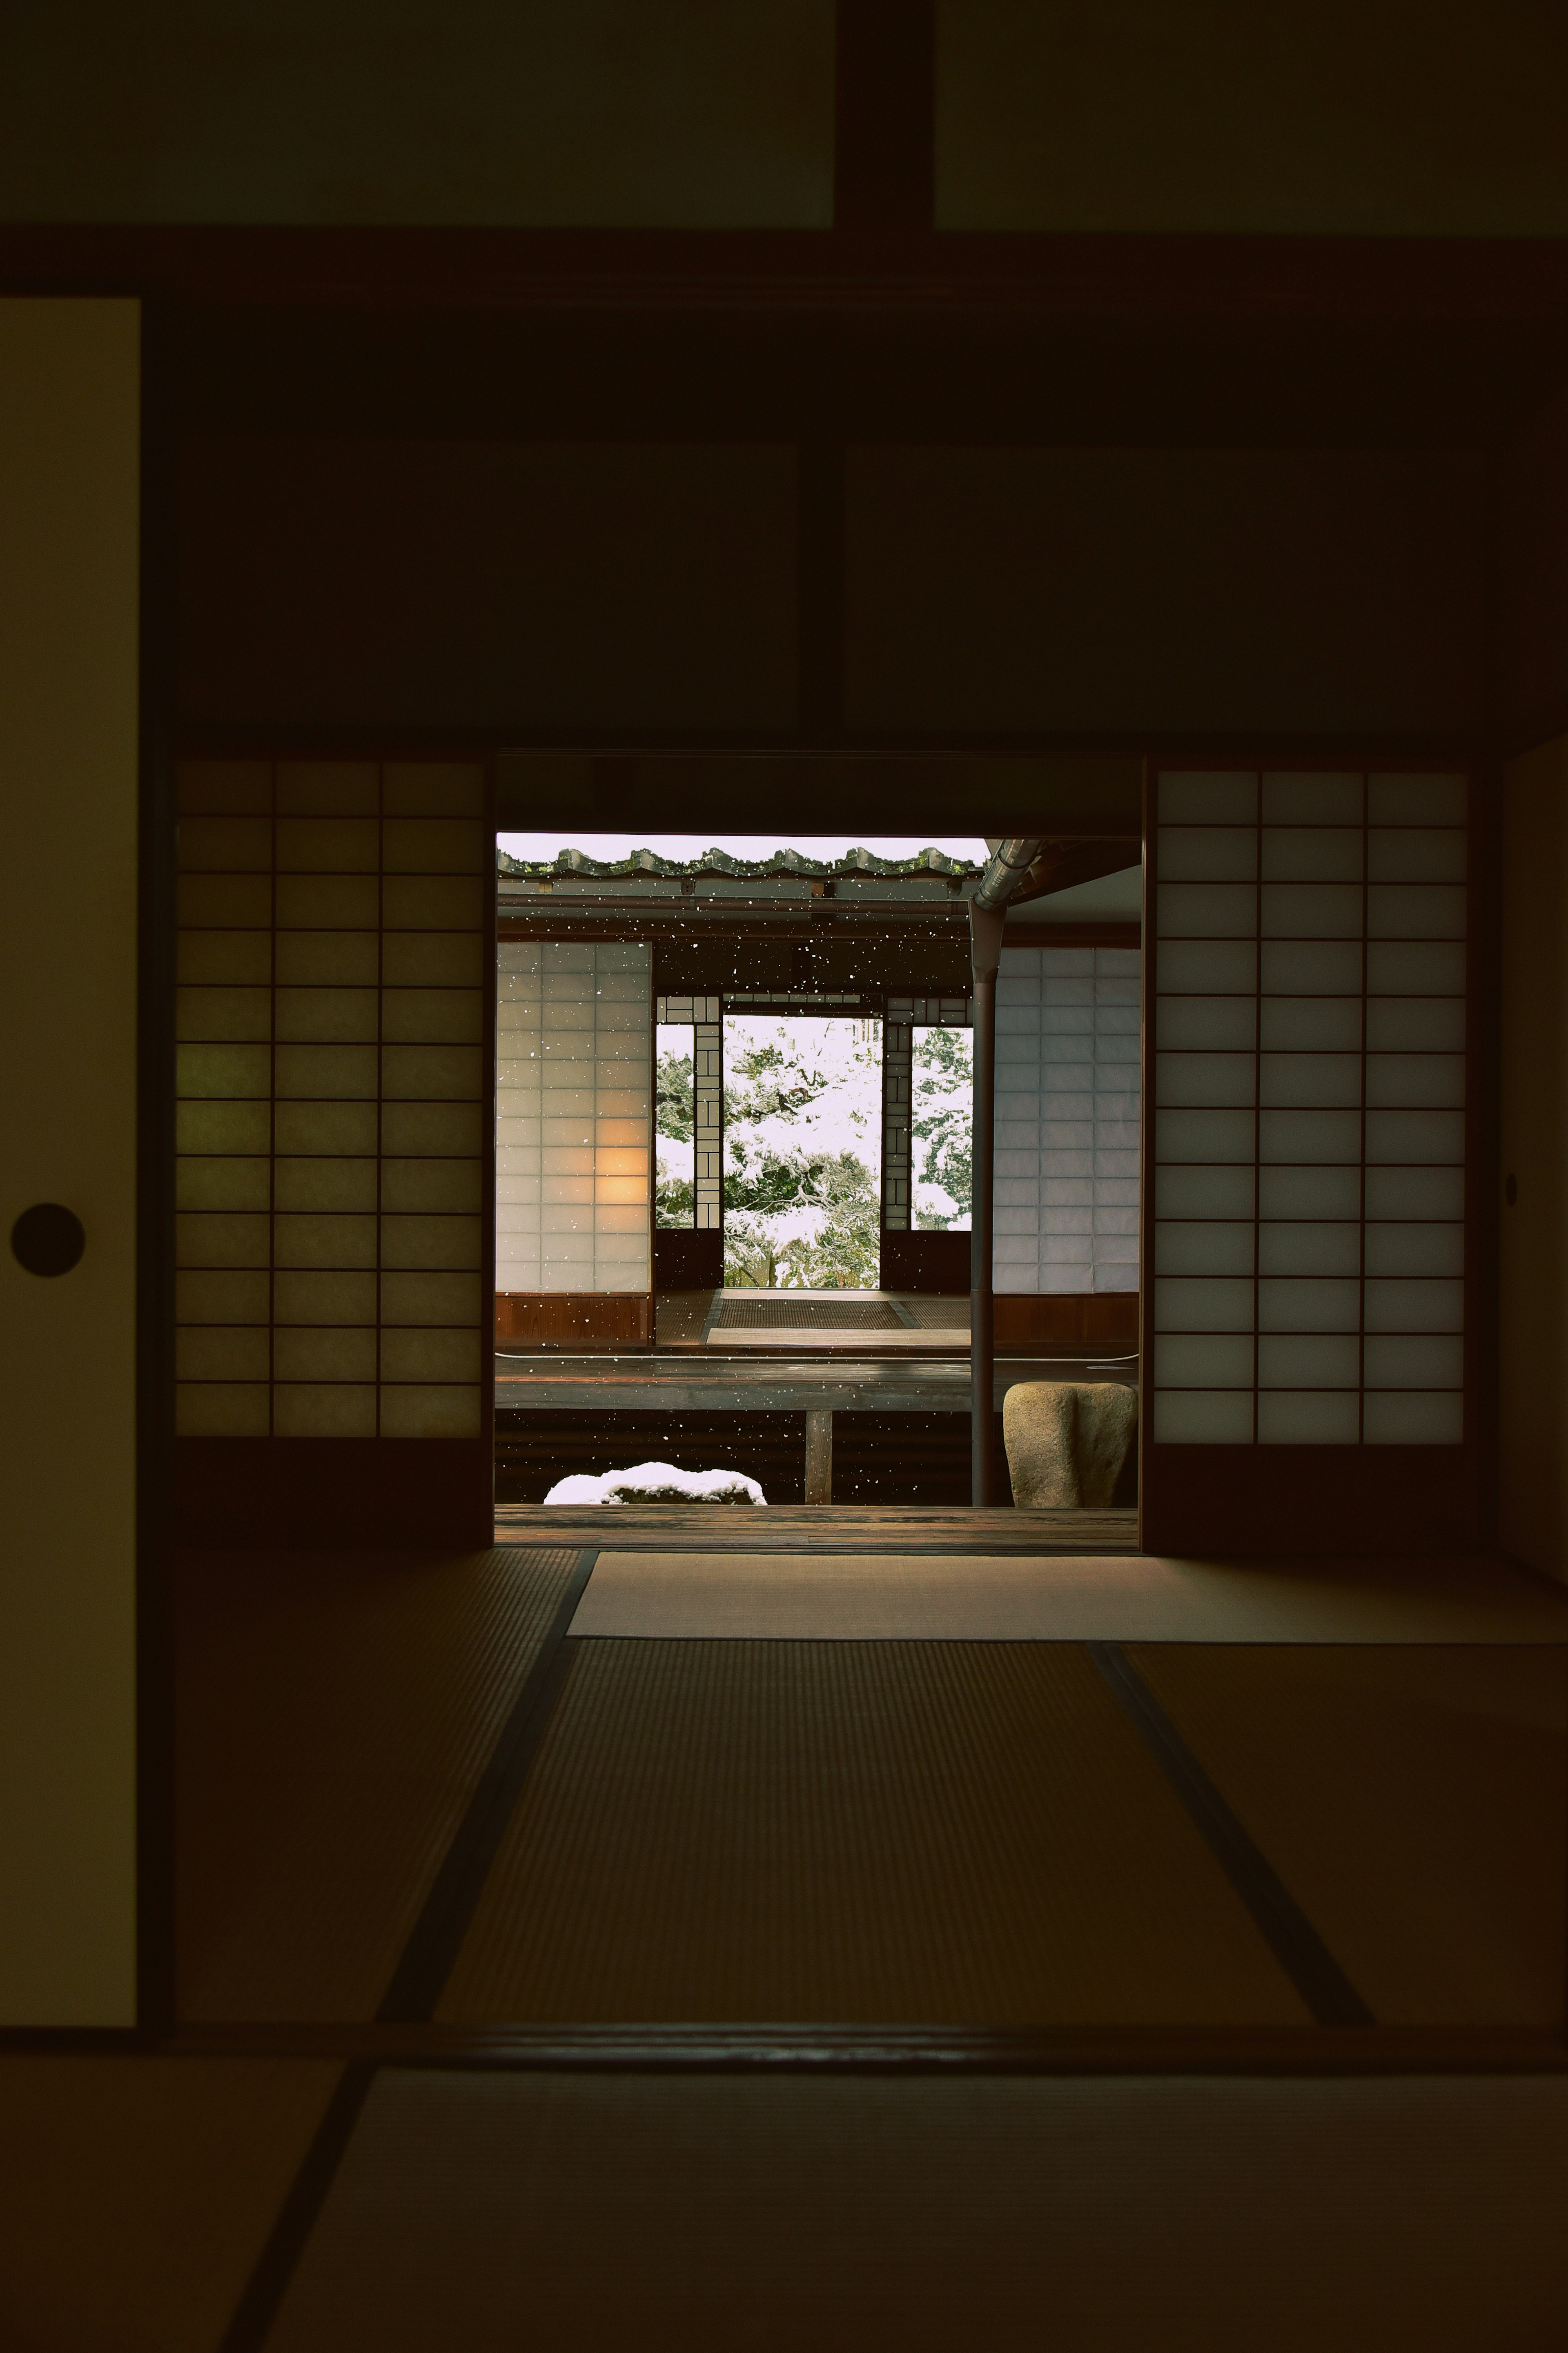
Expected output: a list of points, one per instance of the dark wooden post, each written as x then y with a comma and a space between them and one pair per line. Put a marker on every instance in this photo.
986, 955
819, 1458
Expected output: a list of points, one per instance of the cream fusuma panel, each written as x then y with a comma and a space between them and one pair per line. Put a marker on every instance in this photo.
1308, 1140
335, 1090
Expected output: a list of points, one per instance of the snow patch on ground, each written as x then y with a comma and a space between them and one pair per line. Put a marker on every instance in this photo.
658, 1483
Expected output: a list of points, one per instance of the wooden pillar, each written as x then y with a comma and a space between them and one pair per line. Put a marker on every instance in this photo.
985, 950
819, 1458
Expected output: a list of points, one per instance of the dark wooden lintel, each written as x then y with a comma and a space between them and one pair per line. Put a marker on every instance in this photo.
1078, 276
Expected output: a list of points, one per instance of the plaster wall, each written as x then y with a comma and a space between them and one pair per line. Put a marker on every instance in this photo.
1306, 117
639, 114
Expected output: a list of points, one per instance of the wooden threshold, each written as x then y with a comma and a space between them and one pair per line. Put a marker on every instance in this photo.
901, 2049
796, 1527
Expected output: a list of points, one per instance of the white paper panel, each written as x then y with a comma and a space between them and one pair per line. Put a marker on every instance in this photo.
1208, 853
1067, 1119
1206, 1192
1418, 854
1203, 1417
1304, 798
1307, 1303
1307, 1135
1421, 1304
1308, 1418
1204, 1136
1208, 911
1205, 1078
1312, 911
1414, 1192
1415, 968
1320, 1080
1312, 967
1301, 1249
1412, 1417
1195, 797
1208, 1249
1310, 1192
1207, 1023
1309, 1360
1311, 854
1352, 1330
1415, 800
1204, 1360
1213, 967
1416, 1024
1311, 1024
1419, 1250
1419, 1361
1212, 1303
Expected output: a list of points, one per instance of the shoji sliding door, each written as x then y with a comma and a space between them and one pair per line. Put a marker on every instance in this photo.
335, 1080
1307, 999
573, 1105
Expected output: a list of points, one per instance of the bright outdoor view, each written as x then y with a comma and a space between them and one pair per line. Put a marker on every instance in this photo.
803, 1145
803, 1153
942, 1128
802, 1106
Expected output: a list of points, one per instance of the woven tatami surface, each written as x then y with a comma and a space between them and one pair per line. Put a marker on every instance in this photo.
490, 2213
336, 1711
139, 2192
824, 1595
1414, 1800
880, 1832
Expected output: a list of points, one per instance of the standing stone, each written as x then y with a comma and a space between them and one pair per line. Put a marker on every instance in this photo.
1067, 1442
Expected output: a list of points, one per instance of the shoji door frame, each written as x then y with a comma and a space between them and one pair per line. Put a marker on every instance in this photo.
393, 1505
1341, 1500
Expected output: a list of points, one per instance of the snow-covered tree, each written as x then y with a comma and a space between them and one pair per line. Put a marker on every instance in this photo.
675, 1120
803, 1153
944, 1124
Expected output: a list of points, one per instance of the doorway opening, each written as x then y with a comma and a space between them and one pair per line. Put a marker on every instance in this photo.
735, 1166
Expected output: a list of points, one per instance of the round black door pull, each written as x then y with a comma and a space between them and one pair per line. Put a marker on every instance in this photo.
47, 1240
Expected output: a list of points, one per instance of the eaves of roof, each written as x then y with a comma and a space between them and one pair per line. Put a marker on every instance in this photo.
783, 863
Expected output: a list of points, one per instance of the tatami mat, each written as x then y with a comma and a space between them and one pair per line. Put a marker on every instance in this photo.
139, 2192
909, 1597
336, 1711
877, 1832
1415, 1802
681, 2215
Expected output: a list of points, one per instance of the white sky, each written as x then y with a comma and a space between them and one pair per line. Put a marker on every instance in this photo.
538, 847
